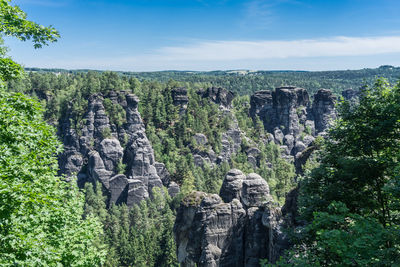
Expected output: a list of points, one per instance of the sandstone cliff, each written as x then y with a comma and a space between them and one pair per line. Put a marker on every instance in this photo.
238, 227
119, 156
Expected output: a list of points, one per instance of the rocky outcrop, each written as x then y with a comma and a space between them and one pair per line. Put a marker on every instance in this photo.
238, 227
200, 139
350, 94
121, 158
282, 108
287, 114
218, 95
180, 98
323, 109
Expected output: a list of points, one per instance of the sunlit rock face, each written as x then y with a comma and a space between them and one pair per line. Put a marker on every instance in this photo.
238, 227
120, 157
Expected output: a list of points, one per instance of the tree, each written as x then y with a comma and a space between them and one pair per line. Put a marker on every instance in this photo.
13, 23
41, 220
40, 213
350, 201
345, 239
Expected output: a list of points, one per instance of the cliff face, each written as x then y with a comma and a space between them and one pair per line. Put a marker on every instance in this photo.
291, 119
120, 157
238, 227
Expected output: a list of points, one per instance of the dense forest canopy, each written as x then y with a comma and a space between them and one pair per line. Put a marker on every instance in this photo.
247, 82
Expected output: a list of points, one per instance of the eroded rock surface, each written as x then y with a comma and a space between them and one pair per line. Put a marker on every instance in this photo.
121, 158
323, 109
290, 118
218, 95
238, 227
180, 98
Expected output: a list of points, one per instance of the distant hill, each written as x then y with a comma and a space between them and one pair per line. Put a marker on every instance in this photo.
248, 81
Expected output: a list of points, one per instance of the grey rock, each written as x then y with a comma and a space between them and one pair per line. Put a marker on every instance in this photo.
202, 157
255, 191
308, 139
323, 109
286, 102
310, 125
299, 147
284, 150
232, 185
278, 136
218, 95
173, 189
230, 142
97, 170
253, 156
252, 161
200, 139
253, 151
302, 157
256, 245
95, 158
223, 231
288, 141
72, 162
261, 104
118, 184
111, 152
163, 173
350, 94
179, 96
287, 112
270, 137
137, 191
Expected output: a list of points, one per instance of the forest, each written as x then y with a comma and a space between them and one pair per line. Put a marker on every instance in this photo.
246, 82
101, 168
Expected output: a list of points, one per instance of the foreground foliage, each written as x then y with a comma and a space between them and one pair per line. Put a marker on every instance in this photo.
40, 213
350, 203
14, 23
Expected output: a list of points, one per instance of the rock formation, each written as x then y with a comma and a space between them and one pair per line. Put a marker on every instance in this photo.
180, 98
238, 227
287, 114
323, 109
350, 94
218, 95
121, 158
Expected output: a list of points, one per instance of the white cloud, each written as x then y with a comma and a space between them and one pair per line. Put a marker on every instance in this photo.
249, 50
310, 54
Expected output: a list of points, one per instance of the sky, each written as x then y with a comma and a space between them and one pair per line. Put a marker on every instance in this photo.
202, 35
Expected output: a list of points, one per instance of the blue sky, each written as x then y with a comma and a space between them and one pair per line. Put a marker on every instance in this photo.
147, 35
